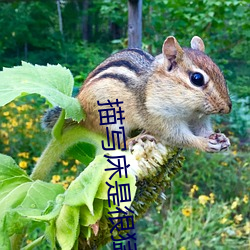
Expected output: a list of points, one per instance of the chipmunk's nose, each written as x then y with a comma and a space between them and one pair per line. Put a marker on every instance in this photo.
227, 108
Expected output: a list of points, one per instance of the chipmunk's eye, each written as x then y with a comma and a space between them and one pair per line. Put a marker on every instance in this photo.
197, 79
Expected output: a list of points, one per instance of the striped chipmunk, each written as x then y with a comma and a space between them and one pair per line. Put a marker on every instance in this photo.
169, 97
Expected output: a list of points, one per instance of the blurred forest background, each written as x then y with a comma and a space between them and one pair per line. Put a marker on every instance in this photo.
208, 204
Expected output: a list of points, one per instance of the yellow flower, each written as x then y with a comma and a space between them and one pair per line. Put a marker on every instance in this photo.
223, 235
70, 178
193, 190
235, 203
29, 124
223, 220
24, 154
65, 185
55, 178
6, 149
73, 168
12, 105
6, 141
247, 227
187, 211
23, 107
182, 248
238, 233
197, 242
35, 159
224, 164
23, 164
14, 123
4, 134
65, 163
238, 218
203, 199
211, 195
234, 152
77, 162
6, 113
28, 241
245, 199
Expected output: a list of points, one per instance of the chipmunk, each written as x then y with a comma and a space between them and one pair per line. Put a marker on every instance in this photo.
170, 96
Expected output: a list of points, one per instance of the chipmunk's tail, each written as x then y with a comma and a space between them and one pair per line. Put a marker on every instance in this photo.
50, 117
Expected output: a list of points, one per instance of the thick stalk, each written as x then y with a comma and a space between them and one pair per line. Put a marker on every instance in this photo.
57, 147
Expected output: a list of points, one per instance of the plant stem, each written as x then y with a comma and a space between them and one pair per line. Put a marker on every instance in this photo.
52, 153
57, 147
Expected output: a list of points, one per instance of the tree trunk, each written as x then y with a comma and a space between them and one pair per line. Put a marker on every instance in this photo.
85, 20
59, 16
134, 23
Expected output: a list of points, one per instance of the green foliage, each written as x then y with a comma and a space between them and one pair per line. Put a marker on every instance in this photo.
24, 200
223, 25
231, 166
19, 198
81, 58
201, 223
53, 82
207, 206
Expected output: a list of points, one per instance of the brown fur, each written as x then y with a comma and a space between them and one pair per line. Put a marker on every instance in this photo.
158, 95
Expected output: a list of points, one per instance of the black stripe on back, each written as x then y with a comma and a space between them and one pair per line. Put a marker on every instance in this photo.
118, 77
142, 53
118, 63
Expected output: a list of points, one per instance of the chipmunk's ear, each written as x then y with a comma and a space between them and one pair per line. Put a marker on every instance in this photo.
171, 49
197, 43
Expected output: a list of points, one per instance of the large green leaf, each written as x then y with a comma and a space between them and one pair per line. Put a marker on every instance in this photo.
83, 189
83, 152
39, 194
6, 186
67, 226
53, 82
21, 199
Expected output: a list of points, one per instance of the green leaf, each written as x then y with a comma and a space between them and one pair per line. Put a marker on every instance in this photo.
83, 189
4, 240
53, 82
67, 226
6, 186
20, 198
46, 216
9, 168
86, 232
50, 234
14, 223
39, 194
102, 192
14, 198
83, 152
86, 218
58, 127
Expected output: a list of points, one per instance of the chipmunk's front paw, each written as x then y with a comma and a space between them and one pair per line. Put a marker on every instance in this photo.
217, 142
